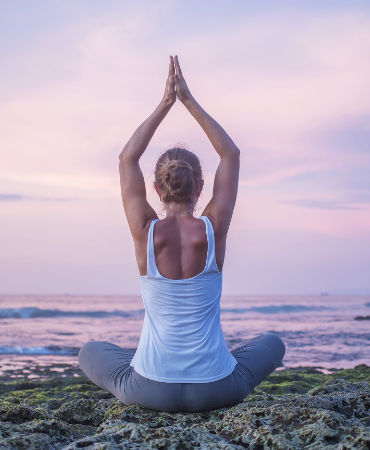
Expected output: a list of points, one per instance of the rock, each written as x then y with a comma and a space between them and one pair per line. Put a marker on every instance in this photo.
20, 413
292, 409
84, 410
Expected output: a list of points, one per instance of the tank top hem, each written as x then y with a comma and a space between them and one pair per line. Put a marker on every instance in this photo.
186, 380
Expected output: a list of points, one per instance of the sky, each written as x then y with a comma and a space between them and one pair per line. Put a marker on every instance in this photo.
288, 81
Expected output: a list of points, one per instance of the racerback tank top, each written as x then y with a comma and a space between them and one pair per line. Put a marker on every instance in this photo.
182, 340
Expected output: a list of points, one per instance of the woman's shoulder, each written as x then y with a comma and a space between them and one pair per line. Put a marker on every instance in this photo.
217, 226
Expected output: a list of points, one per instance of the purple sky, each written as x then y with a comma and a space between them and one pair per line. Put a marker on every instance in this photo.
289, 82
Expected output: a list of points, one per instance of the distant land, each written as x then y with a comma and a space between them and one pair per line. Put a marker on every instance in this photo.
342, 292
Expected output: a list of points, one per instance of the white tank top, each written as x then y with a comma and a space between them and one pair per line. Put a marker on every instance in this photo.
182, 339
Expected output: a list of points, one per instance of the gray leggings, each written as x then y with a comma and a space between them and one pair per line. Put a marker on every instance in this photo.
108, 366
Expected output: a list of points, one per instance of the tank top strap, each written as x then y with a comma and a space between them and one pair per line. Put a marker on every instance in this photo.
152, 270
211, 264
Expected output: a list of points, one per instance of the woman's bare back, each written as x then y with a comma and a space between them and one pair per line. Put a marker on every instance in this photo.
180, 247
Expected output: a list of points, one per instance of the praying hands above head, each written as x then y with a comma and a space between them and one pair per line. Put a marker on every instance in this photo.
176, 85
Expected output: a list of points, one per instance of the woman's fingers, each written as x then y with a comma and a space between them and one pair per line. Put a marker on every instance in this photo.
170, 89
172, 67
177, 65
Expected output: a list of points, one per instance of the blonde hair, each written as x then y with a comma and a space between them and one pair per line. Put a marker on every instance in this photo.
178, 174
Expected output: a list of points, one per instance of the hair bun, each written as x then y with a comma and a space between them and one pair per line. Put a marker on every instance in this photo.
178, 175
172, 173
177, 164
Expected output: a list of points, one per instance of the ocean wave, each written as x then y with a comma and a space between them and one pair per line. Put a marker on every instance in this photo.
48, 350
276, 309
32, 312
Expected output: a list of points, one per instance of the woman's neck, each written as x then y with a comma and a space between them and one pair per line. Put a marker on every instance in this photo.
179, 209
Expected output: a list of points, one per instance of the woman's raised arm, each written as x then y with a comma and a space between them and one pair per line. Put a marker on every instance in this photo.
225, 188
137, 209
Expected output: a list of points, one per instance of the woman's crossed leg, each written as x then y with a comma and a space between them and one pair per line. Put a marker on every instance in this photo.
108, 366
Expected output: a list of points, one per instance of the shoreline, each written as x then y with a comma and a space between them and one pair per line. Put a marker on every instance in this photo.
58, 407
29, 366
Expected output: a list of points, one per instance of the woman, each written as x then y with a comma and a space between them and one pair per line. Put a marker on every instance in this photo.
182, 362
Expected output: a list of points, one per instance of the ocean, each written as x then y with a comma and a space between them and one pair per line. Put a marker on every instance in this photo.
318, 331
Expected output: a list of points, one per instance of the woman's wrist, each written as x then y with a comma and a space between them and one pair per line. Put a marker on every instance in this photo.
166, 103
189, 101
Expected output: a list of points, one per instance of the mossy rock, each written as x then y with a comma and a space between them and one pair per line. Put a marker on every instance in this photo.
292, 409
84, 411
19, 413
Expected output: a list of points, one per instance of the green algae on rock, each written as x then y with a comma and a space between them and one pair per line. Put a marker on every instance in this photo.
292, 409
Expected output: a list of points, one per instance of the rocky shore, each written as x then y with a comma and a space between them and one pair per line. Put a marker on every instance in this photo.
56, 406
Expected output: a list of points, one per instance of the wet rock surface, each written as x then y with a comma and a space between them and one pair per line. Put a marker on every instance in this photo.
59, 408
